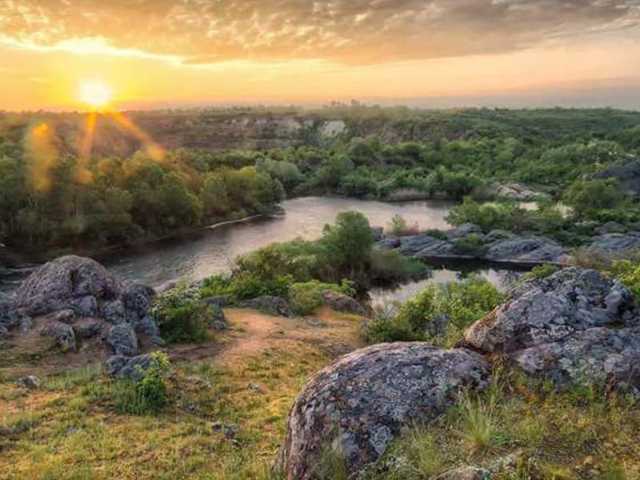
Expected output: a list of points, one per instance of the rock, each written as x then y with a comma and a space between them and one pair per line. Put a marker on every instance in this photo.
616, 242
132, 368
517, 192
389, 243
148, 326
495, 235
464, 231
64, 316
343, 303
413, 244
62, 333
465, 473
219, 301
378, 233
30, 382
67, 282
86, 306
87, 328
576, 326
26, 324
218, 321
627, 174
122, 339
114, 312
4, 332
361, 403
610, 227
137, 300
268, 304
526, 250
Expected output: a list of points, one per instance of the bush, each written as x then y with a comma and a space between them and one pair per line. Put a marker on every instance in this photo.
541, 271
149, 394
399, 227
439, 313
628, 272
389, 266
181, 316
305, 298
471, 245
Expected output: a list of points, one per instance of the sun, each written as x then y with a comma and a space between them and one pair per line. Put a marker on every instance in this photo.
94, 93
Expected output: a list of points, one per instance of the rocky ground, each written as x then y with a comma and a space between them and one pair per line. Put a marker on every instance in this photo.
546, 386
468, 242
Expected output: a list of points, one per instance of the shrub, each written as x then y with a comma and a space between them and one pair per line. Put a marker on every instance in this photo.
541, 271
388, 266
439, 313
306, 297
399, 227
149, 394
181, 316
471, 245
628, 272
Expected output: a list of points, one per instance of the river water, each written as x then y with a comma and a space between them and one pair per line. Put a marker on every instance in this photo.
212, 251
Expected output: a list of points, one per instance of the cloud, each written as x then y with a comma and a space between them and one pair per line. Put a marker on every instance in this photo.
345, 31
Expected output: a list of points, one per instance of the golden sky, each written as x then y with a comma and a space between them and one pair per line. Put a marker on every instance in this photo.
159, 52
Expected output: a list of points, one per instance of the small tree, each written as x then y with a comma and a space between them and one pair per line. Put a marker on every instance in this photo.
348, 243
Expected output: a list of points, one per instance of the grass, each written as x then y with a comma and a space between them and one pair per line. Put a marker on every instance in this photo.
72, 429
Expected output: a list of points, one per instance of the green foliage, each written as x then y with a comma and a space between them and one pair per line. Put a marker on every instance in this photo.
628, 272
588, 196
147, 395
181, 316
471, 245
347, 244
389, 266
305, 298
399, 227
541, 271
456, 304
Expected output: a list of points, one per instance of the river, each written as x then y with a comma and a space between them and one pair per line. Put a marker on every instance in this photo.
212, 251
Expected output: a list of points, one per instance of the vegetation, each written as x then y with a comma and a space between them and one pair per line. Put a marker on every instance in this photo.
148, 395
439, 314
51, 196
181, 316
306, 297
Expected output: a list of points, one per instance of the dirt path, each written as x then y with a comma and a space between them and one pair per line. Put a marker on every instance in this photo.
254, 332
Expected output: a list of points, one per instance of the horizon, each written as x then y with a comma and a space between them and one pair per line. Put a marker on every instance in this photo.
427, 54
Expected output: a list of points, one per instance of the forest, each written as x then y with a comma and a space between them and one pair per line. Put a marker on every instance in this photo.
54, 197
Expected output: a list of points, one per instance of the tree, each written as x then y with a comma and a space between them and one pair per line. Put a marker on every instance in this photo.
587, 196
348, 243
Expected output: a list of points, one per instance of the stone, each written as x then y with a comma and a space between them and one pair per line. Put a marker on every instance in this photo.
66, 283
219, 301
218, 320
268, 304
465, 473
64, 316
517, 192
616, 242
4, 332
86, 306
378, 233
463, 231
62, 333
131, 368
574, 327
610, 227
122, 339
113, 312
343, 303
138, 300
532, 250
87, 328
360, 403
30, 382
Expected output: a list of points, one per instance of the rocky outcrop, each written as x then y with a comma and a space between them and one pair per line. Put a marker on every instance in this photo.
132, 368
468, 242
627, 174
616, 243
575, 327
516, 192
343, 303
268, 304
359, 404
74, 298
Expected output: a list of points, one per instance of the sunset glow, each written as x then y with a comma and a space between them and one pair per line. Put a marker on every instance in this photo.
95, 94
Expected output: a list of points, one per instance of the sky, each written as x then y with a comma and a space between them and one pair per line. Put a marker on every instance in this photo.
159, 53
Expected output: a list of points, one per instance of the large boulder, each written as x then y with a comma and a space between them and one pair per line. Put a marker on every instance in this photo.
616, 242
67, 283
359, 404
122, 339
62, 334
268, 304
576, 326
343, 303
531, 249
